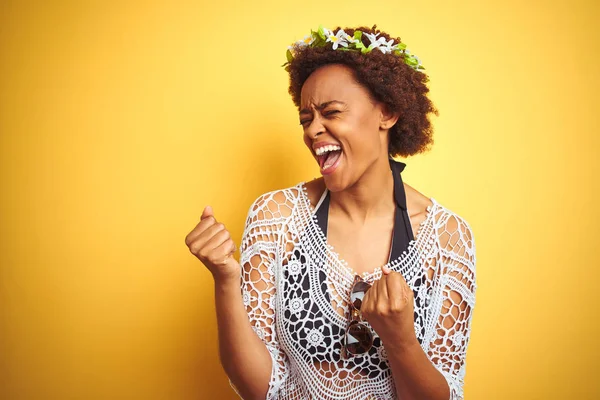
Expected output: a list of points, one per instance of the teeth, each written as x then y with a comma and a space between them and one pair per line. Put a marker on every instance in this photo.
325, 149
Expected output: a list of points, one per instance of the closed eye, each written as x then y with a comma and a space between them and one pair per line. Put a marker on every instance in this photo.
329, 113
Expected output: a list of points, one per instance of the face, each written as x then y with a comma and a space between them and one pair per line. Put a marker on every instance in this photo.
344, 128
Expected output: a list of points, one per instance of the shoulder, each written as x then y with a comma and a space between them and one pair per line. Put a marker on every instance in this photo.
454, 232
455, 235
275, 204
268, 213
417, 203
314, 190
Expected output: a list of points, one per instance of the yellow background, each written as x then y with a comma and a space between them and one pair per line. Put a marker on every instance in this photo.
120, 121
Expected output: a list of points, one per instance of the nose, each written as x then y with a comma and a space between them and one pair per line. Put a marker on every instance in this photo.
315, 128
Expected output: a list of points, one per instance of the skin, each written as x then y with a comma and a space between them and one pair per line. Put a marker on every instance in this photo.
362, 203
243, 355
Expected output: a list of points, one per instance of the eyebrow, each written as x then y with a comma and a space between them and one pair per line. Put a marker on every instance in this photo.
322, 106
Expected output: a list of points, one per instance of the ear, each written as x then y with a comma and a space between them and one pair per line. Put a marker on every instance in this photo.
388, 118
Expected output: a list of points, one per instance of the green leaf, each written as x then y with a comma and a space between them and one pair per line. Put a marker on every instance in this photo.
401, 46
322, 33
358, 35
289, 55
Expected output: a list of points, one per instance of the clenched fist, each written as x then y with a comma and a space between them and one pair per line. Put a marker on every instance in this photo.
212, 244
388, 306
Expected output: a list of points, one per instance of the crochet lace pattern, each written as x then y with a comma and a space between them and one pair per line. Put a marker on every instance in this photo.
296, 288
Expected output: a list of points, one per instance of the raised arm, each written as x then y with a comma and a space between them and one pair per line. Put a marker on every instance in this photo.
244, 320
248, 346
258, 255
448, 349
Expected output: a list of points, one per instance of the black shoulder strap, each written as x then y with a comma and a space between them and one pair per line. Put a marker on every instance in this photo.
403, 233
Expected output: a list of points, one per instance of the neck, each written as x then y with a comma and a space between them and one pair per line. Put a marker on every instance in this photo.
371, 196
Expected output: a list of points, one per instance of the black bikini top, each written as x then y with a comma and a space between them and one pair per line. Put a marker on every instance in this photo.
403, 233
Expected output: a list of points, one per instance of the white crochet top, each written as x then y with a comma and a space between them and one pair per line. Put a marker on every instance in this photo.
296, 291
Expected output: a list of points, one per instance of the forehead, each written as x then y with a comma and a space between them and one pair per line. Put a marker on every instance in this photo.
331, 82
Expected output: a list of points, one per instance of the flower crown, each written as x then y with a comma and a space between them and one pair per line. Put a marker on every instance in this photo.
340, 40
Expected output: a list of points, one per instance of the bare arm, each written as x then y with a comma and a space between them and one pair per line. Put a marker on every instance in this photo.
243, 354
414, 375
446, 354
436, 372
248, 348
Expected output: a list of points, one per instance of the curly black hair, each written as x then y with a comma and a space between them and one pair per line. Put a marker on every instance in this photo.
388, 79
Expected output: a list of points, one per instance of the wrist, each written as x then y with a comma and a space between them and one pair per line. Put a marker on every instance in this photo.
401, 345
227, 275
227, 283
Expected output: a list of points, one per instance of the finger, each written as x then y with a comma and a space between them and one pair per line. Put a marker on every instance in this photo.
199, 229
217, 239
222, 253
386, 270
209, 253
208, 212
234, 247
199, 244
382, 293
397, 291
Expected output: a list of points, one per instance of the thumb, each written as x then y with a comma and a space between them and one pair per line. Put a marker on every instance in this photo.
386, 270
208, 212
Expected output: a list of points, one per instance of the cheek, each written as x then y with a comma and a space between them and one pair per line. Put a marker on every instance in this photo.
365, 134
307, 141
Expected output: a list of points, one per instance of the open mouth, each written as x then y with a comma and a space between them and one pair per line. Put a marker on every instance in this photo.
328, 157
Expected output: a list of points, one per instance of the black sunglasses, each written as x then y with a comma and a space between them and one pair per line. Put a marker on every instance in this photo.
358, 338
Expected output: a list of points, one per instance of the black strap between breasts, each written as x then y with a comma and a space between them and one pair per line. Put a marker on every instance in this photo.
403, 233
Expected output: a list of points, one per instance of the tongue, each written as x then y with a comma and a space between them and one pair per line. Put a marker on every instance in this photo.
331, 159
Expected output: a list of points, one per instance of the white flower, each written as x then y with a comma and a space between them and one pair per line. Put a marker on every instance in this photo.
307, 41
418, 60
314, 336
375, 43
350, 39
372, 36
327, 33
338, 39
386, 47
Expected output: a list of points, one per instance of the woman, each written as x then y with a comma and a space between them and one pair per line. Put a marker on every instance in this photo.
353, 285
